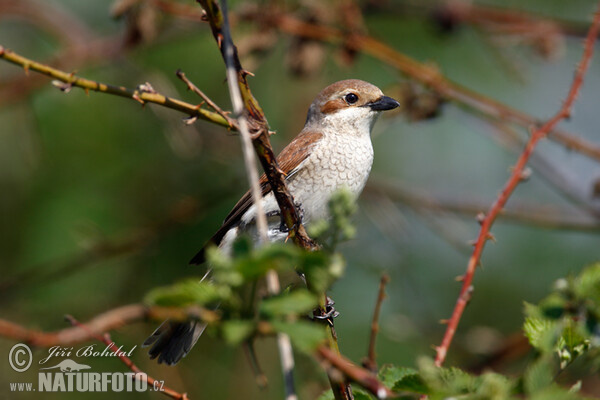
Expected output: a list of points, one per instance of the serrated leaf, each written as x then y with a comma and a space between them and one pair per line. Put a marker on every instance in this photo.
411, 382
538, 375
295, 302
236, 331
306, 336
540, 332
360, 394
390, 374
587, 284
188, 292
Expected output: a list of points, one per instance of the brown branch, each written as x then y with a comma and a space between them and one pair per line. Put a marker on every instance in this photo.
426, 74
539, 215
370, 362
232, 124
353, 373
107, 321
139, 94
516, 177
105, 338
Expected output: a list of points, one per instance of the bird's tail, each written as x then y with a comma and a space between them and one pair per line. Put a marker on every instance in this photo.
173, 340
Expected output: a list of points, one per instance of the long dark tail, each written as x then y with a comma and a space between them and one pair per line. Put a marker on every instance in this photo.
173, 340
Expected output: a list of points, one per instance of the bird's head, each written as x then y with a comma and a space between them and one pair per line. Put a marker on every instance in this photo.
346, 104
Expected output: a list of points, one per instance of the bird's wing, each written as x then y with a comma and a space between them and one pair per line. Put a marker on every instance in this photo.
288, 160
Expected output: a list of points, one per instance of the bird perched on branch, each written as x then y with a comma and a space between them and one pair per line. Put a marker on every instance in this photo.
332, 151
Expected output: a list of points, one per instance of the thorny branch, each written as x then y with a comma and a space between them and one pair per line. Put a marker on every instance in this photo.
143, 94
244, 108
370, 362
167, 391
100, 325
515, 178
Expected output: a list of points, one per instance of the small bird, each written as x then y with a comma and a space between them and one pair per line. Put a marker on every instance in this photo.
332, 151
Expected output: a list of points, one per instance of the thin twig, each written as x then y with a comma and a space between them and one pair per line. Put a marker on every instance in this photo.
167, 391
370, 362
516, 177
139, 94
538, 215
234, 70
426, 74
181, 75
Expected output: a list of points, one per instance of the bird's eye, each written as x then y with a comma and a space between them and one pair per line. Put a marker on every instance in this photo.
351, 98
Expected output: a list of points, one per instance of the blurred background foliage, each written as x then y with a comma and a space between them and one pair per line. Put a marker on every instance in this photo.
104, 199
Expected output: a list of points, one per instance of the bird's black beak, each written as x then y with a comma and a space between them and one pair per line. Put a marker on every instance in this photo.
384, 103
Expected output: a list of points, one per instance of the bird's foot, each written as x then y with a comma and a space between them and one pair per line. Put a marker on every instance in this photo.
328, 313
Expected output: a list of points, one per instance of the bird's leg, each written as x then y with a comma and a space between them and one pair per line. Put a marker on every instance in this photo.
328, 313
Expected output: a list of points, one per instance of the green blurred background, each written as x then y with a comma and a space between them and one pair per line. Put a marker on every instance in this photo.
103, 199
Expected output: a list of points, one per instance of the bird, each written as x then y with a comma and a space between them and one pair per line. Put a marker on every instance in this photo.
332, 151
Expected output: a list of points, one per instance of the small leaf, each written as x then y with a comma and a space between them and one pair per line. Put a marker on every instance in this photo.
188, 292
360, 394
236, 331
539, 375
411, 382
540, 332
390, 374
295, 302
306, 336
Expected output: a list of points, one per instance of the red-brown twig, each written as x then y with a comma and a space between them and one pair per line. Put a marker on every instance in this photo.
353, 373
370, 362
107, 321
126, 360
515, 178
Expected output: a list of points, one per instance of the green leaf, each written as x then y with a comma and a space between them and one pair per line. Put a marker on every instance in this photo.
538, 375
236, 331
326, 395
360, 394
185, 293
295, 302
411, 382
306, 336
587, 285
390, 374
541, 333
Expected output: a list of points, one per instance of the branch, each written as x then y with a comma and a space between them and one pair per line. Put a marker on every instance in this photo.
423, 73
539, 215
245, 107
516, 177
141, 94
370, 362
167, 391
107, 321
354, 373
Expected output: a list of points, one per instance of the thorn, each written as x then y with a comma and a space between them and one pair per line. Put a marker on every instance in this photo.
62, 86
459, 278
190, 120
480, 217
137, 98
26, 68
245, 72
2, 50
269, 132
526, 174
444, 321
204, 16
472, 242
219, 40
490, 236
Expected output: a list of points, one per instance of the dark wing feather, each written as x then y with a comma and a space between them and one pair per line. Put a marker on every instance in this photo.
288, 160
